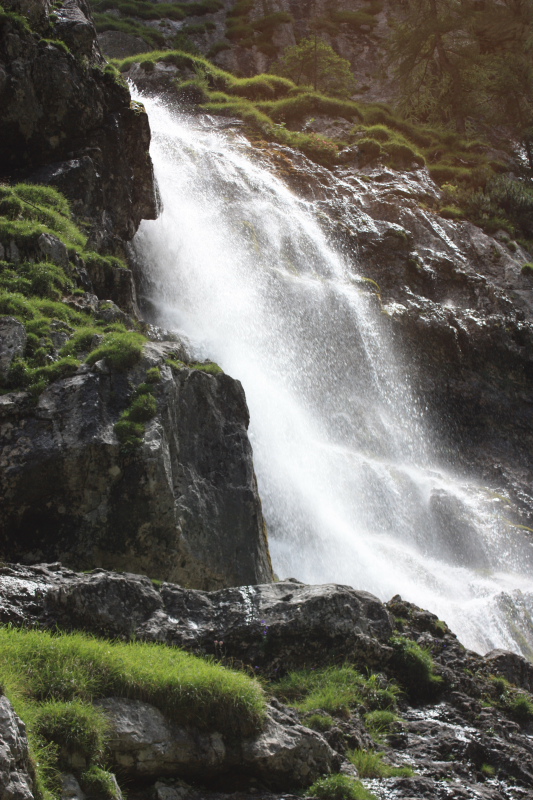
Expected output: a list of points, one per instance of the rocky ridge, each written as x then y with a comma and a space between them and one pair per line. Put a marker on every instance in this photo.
463, 742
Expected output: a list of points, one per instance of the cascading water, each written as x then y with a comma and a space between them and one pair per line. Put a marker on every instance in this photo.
241, 267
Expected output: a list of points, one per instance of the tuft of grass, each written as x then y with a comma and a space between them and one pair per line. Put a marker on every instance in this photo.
27, 210
334, 689
120, 350
208, 366
76, 727
143, 408
415, 669
75, 667
339, 787
319, 722
380, 723
370, 764
488, 770
100, 783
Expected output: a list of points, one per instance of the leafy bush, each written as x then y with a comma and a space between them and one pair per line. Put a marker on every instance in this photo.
339, 787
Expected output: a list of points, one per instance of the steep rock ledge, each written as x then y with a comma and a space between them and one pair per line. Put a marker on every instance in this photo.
182, 506
66, 120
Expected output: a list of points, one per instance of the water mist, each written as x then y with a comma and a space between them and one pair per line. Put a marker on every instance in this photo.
240, 266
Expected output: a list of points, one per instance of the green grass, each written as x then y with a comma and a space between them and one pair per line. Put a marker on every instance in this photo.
339, 787
381, 722
121, 351
76, 727
53, 680
370, 764
27, 209
319, 722
415, 669
335, 690
100, 783
75, 667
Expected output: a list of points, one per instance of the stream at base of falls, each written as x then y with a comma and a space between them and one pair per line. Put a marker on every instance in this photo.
240, 266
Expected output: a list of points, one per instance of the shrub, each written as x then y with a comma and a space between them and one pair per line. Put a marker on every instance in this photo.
527, 269
369, 149
339, 787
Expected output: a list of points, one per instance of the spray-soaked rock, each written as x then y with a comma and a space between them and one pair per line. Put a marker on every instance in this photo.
17, 777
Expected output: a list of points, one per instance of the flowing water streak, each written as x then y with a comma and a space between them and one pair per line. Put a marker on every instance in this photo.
241, 267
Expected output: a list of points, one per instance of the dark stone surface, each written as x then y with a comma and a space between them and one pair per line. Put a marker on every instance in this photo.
65, 121
182, 506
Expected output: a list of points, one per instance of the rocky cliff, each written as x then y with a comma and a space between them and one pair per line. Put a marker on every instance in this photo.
134, 460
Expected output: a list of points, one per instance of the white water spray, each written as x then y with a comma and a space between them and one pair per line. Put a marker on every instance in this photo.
241, 267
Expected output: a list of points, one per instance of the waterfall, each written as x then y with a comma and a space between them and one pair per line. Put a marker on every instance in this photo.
351, 494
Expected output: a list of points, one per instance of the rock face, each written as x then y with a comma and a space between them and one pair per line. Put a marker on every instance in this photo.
67, 121
272, 627
472, 742
144, 744
12, 342
183, 506
16, 769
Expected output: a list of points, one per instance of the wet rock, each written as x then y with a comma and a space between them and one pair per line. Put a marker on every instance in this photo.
181, 505
16, 767
512, 667
12, 343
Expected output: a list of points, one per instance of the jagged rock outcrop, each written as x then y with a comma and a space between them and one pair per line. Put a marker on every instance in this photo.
472, 740
17, 774
182, 506
66, 120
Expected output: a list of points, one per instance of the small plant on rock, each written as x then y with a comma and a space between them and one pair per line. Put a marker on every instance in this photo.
339, 787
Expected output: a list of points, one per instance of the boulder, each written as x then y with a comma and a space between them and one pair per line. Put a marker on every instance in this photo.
511, 666
182, 505
144, 744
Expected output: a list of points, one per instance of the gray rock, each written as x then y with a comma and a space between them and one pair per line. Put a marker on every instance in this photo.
16, 768
144, 743
181, 506
70, 788
53, 249
12, 343
512, 667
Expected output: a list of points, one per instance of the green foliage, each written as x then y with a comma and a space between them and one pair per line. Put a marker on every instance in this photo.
381, 723
153, 375
527, 268
76, 667
75, 726
143, 408
82, 341
210, 367
100, 783
335, 690
27, 209
488, 770
120, 350
313, 61
415, 669
339, 787
370, 764
519, 705
319, 722
248, 32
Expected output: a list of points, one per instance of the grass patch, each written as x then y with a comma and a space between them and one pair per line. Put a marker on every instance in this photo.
335, 690
100, 783
75, 667
120, 350
319, 722
381, 722
370, 764
27, 209
76, 727
415, 669
339, 787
